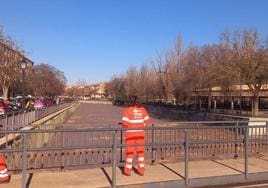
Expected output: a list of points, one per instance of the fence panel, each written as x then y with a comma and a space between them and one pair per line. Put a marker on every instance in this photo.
63, 148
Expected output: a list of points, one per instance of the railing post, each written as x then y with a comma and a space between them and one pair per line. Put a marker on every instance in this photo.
35, 115
153, 142
6, 127
236, 137
24, 160
114, 160
246, 152
13, 120
121, 148
266, 136
186, 157
23, 117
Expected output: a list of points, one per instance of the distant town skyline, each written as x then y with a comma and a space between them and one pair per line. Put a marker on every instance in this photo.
93, 40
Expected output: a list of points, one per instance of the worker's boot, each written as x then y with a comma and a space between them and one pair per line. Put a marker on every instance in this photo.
140, 171
126, 174
127, 170
5, 179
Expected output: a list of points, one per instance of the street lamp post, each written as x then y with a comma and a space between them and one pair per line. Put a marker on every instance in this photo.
23, 65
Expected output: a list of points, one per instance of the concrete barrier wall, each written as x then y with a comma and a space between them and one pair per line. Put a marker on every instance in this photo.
38, 140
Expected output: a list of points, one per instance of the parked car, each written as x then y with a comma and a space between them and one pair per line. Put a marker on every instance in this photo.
38, 104
118, 102
12, 105
48, 102
19, 101
3, 108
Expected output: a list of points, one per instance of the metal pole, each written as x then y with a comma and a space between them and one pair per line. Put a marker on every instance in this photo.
121, 148
240, 106
236, 137
246, 152
6, 123
266, 135
186, 157
24, 160
153, 142
23, 117
13, 120
23, 84
114, 160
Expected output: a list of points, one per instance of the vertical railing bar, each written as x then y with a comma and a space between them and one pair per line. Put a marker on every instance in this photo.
266, 136
6, 121
23, 119
203, 145
165, 147
13, 120
153, 142
186, 157
121, 148
6, 143
236, 142
114, 160
246, 152
24, 161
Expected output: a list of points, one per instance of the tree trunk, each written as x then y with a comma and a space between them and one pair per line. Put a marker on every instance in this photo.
209, 100
256, 104
5, 92
232, 103
215, 104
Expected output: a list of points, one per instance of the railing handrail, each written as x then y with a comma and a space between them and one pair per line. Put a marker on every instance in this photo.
142, 128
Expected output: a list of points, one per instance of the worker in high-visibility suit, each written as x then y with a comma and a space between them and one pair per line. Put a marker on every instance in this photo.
134, 116
4, 177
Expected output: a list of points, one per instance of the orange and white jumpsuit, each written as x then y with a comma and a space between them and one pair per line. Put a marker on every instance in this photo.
134, 117
3, 170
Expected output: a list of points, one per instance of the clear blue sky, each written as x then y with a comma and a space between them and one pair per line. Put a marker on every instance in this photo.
94, 39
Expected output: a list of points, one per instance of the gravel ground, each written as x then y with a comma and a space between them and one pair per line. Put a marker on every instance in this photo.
104, 115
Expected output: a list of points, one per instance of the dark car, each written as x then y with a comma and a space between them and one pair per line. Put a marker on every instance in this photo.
118, 102
12, 105
19, 103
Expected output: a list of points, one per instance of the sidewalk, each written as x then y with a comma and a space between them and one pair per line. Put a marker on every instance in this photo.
201, 173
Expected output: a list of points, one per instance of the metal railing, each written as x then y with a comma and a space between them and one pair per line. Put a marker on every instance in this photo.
17, 120
99, 147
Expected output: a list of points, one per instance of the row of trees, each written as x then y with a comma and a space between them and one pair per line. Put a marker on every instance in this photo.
241, 57
40, 80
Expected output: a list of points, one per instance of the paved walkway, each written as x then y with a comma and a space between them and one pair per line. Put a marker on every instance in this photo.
206, 172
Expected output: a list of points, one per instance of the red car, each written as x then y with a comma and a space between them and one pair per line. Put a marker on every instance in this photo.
3, 108
48, 102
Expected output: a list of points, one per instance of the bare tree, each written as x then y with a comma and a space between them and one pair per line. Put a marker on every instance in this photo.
162, 67
182, 73
131, 81
10, 57
47, 80
250, 57
116, 88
